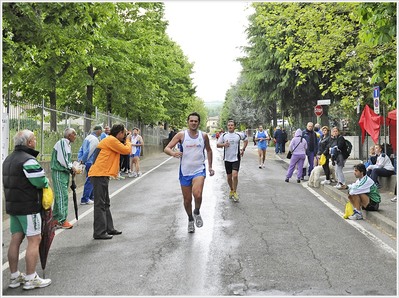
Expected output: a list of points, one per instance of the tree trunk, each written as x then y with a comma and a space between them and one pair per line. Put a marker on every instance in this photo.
53, 113
89, 93
274, 114
109, 99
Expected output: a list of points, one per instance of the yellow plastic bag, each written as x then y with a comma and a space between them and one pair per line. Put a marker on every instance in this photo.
322, 160
47, 198
348, 210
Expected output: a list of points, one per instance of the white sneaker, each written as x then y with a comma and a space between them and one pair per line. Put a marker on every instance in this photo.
356, 215
296, 171
132, 175
191, 227
138, 174
263, 165
326, 182
17, 281
260, 166
198, 220
36, 282
394, 199
89, 202
338, 186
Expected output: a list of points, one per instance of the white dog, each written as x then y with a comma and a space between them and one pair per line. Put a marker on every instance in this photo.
317, 172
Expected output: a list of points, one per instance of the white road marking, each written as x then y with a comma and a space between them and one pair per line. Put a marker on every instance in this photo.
353, 223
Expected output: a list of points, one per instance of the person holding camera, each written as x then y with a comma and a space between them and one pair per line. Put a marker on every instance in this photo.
105, 164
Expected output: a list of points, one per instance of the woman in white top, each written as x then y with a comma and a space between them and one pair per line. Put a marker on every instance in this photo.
383, 167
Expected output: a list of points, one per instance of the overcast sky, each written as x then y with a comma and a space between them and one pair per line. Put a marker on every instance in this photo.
210, 34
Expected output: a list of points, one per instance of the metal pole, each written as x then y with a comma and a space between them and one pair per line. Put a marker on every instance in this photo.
84, 124
360, 130
66, 117
42, 134
8, 102
385, 131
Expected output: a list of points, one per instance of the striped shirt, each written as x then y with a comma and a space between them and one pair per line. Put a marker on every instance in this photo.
35, 173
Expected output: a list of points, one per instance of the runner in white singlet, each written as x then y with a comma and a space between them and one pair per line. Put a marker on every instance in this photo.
192, 166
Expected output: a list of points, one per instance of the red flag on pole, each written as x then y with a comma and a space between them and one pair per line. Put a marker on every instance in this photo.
370, 122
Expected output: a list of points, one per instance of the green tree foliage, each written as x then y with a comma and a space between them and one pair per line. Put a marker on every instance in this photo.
116, 56
197, 105
379, 31
301, 52
240, 107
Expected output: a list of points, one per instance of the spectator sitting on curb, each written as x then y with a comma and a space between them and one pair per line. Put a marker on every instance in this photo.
372, 157
383, 166
362, 193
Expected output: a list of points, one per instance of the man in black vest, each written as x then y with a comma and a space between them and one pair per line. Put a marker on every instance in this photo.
24, 180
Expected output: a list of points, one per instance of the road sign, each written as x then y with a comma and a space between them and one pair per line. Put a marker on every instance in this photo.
377, 105
324, 102
318, 110
376, 92
376, 96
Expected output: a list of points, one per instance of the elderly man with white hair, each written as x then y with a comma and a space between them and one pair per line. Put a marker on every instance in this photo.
61, 168
24, 180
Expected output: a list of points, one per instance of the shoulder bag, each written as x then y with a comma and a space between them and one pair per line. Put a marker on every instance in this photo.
289, 154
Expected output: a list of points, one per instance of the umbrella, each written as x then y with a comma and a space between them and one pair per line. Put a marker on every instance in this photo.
75, 203
48, 232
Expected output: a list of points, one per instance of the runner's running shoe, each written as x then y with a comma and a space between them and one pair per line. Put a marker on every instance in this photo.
231, 194
235, 197
191, 228
198, 220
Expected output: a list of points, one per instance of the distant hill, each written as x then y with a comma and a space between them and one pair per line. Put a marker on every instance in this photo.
213, 108
212, 104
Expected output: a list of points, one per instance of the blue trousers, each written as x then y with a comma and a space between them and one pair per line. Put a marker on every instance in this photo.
88, 188
279, 148
380, 172
311, 164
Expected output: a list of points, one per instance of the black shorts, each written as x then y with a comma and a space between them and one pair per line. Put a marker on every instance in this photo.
372, 206
231, 166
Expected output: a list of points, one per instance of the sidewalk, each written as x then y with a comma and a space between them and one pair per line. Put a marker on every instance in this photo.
385, 218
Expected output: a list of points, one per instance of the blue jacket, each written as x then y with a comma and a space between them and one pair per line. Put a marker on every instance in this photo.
279, 136
311, 139
86, 151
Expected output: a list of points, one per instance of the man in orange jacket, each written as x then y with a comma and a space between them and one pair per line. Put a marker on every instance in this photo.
106, 164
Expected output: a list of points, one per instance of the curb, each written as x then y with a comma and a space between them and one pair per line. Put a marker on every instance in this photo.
381, 221
384, 223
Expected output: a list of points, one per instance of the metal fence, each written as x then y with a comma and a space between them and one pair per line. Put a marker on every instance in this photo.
18, 115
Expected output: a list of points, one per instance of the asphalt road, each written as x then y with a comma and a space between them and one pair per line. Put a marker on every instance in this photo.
280, 239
